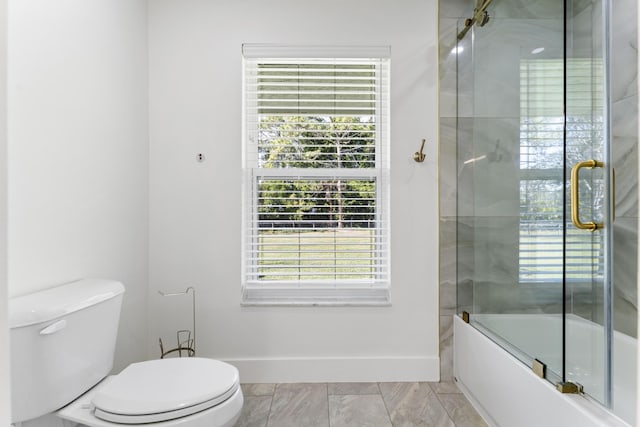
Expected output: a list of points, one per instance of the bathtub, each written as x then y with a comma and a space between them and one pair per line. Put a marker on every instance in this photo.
507, 393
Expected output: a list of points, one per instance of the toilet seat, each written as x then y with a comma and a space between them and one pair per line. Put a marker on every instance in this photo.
81, 413
162, 390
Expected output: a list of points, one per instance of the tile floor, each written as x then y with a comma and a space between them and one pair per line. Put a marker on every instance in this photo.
357, 405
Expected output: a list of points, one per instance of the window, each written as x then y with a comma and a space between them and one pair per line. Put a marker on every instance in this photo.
542, 156
316, 187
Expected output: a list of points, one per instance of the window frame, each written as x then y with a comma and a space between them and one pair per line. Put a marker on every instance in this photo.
335, 292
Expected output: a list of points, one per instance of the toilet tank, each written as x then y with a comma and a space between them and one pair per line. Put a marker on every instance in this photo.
62, 343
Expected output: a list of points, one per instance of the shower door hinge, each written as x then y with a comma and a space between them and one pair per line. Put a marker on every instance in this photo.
465, 316
539, 368
569, 387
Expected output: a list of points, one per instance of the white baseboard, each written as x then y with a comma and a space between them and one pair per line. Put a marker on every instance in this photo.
360, 369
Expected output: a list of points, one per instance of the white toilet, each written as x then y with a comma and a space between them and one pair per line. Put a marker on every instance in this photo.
62, 346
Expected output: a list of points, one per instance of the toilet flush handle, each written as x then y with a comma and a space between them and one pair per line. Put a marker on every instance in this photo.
54, 327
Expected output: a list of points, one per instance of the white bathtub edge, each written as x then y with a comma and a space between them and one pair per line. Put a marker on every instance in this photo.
507, 393
476, 404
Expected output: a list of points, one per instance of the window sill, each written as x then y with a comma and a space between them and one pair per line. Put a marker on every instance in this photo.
316, 297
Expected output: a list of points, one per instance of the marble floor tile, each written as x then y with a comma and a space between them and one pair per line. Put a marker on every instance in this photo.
445, 387
461, 411
296, 405
358, 405
414, 404
353, 388
255, 411
358, 411
258, 389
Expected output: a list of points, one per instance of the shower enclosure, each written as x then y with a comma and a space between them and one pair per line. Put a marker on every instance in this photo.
536, 199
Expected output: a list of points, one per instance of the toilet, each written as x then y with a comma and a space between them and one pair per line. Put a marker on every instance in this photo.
62, 348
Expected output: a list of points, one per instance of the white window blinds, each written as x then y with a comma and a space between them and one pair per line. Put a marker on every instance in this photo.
316, 177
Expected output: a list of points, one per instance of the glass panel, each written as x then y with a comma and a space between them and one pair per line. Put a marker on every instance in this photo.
623, 119
538, 93
587, 289
511, 179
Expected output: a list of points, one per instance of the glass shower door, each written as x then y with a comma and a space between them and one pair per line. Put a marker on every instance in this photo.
531, 106
589, 176
511, 179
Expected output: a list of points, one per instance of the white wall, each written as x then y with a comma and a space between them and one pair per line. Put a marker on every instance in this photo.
195, 107
78, 151
5, 396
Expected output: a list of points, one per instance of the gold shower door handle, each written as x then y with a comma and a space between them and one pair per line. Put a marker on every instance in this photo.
575, 197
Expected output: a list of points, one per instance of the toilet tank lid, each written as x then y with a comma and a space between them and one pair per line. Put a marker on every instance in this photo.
61, 300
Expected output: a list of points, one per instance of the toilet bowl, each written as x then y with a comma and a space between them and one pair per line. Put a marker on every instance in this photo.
62, 345
184, 392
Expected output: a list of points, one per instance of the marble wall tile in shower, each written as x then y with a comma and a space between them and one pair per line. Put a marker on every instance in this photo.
455, 101
586, 300
447, 68
448, 298
465, 180
581, 38
529, 9
586, 34
465, 262
414, 404
447, 180
577, 6
625, 267
485, 181
455, 8
495, 246
464, 60
625, 155
499, 48
495, 167
514, 297
296, 405
447, 265
624, 123
464, 292
625, 118
498, 138
446, 348
624, 53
